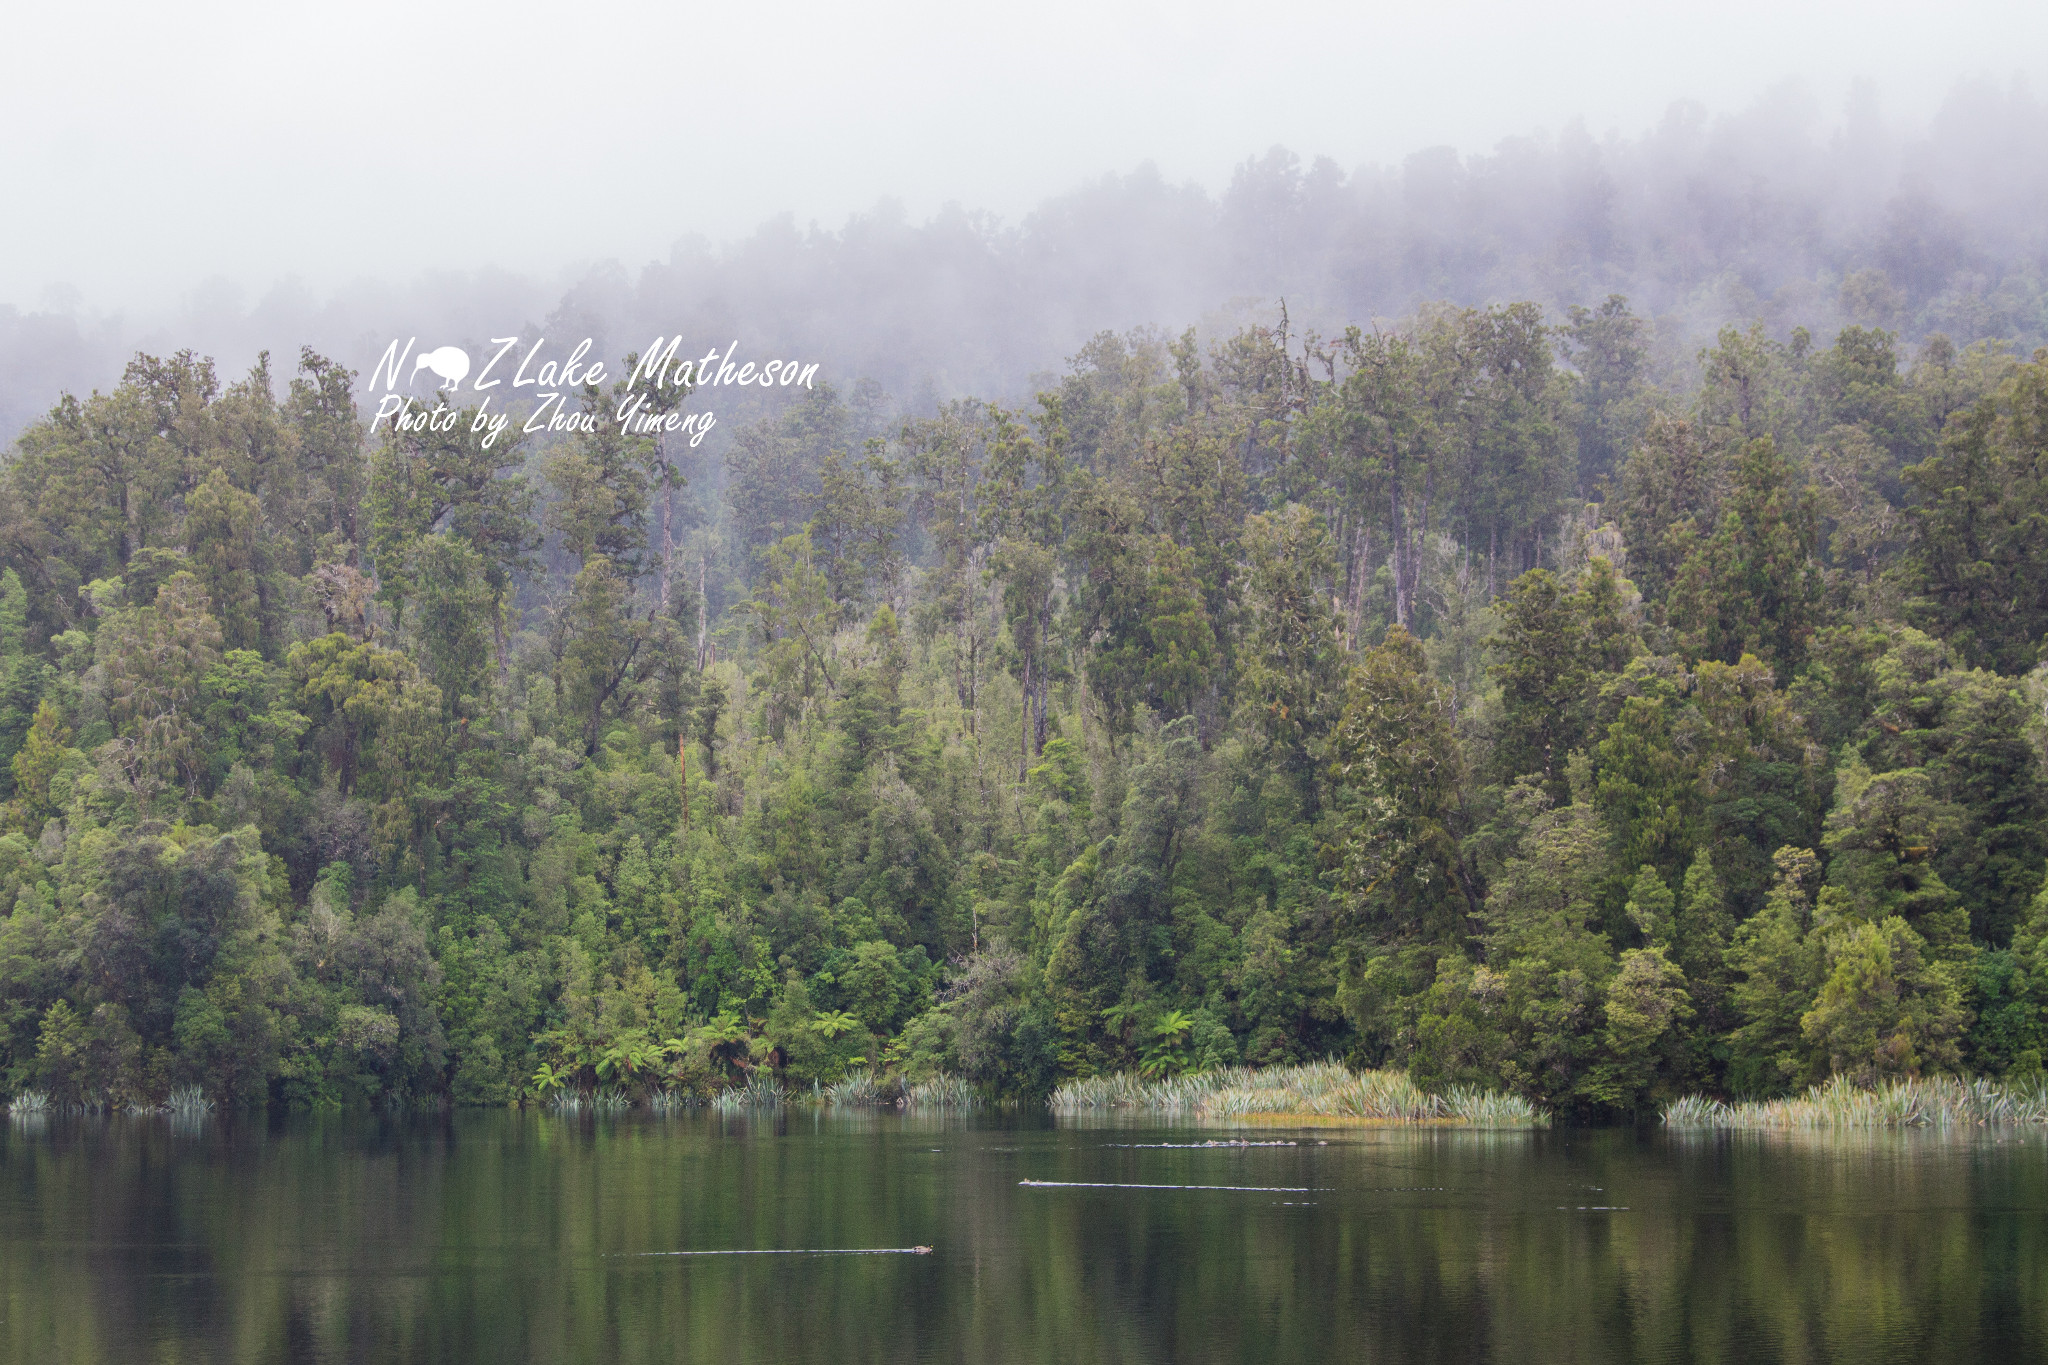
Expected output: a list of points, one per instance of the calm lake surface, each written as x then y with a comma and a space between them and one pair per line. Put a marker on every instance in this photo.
507, 1237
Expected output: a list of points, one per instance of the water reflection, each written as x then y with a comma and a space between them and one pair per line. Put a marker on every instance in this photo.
513, 1237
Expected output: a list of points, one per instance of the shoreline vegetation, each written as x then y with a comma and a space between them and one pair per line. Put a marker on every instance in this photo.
1315, 1092
762, 1090
1921, 1102
766, 1094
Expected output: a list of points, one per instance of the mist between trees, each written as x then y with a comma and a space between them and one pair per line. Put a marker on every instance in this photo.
1446, 695
1783, 212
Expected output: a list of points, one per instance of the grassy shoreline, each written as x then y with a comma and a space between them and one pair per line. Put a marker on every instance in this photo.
1316, 1094
1929, 1102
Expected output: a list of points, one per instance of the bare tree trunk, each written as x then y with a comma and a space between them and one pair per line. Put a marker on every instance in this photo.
1361, 565
1024, 722
1337, 522
498, 640
1038, 725
668, 539
702, 620
1428, 499
1400, 558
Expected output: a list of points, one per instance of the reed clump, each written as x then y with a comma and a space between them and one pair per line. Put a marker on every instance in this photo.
942, 1092
1924, 1102
187, 1101
1327, 1090
853, 1089
762, 1091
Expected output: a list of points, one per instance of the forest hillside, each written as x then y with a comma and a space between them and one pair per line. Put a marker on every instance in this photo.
1447, 694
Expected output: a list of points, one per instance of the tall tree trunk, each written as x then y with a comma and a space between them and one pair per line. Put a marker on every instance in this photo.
1361, 565
668, 542
1400, 558
1024, 722
702, 622
1038, 726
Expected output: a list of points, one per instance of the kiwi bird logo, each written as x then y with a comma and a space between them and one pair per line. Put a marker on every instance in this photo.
451, 363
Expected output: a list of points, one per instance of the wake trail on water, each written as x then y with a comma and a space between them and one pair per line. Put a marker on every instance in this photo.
1114, 1185
1220, 1145
788, 1251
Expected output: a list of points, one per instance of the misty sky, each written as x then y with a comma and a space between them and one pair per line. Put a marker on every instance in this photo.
153, 146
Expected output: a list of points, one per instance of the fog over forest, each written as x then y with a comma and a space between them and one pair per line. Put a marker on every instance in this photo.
1782, 212
780, 594
1566, 624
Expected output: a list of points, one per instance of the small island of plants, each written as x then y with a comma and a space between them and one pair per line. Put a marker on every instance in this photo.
1319, 1092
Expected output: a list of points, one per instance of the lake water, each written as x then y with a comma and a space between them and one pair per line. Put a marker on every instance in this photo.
505, 1237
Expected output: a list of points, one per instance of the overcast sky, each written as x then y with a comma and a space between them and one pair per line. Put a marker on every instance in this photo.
152, 146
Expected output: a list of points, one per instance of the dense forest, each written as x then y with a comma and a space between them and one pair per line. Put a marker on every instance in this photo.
1445, 695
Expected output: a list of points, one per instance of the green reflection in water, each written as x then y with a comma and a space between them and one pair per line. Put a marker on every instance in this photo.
508, 1237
